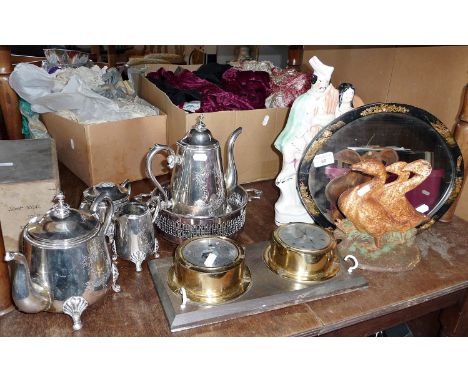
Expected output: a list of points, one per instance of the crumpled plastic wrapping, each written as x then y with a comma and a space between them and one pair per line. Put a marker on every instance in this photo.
87, 95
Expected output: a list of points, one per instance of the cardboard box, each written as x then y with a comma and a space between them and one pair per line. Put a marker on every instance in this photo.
29, 180
107, 152
255, 156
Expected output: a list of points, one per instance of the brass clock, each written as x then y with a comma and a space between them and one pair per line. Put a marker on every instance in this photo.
209, 269
302, 252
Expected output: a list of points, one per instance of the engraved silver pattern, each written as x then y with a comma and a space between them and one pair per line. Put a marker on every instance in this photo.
97, 263
74, 307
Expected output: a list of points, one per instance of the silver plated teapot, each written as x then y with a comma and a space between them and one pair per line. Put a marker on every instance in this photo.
198, 186
65, 265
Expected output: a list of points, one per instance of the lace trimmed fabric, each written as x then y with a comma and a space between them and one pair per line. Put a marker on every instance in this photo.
255, 66
287, 85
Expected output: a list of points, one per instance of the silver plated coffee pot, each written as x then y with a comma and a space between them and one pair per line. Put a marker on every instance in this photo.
198, 186
65, 265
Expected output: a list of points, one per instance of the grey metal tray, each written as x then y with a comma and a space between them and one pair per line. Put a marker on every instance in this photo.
267, 291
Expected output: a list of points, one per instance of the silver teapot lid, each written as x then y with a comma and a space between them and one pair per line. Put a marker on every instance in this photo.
199, 135
116, 192
62, 226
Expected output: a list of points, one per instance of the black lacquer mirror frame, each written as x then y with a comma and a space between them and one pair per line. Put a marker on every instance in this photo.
328, 131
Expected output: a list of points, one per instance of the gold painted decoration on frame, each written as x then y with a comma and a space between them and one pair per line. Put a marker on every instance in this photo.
384, 108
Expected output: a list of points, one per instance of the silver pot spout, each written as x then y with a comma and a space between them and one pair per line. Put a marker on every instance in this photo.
29, 297
230, 177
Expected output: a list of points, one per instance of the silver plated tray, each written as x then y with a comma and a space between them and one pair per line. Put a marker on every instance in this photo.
177, 228
267, 291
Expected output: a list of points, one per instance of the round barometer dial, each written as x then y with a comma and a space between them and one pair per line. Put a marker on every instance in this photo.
304, 236
210, 253
209, 269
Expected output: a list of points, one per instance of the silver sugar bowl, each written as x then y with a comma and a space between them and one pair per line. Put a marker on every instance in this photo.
65, 265
118, 193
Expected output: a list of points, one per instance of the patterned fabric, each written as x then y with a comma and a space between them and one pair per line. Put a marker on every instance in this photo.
256, 66
286, 86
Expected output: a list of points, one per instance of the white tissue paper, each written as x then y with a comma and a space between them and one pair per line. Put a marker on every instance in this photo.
71, 92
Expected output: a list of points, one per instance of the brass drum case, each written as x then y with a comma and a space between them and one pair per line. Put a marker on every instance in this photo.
209, 285
303, 265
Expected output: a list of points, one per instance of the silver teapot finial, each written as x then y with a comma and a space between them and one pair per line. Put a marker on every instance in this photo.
61, 209
200, 126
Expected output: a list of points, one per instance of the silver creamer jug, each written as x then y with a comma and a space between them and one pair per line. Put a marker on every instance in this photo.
198, 186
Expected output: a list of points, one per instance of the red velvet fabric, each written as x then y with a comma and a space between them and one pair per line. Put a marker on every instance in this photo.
286, 86
213, 98
251, 86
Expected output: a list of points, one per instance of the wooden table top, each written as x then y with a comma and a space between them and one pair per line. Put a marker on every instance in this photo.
439, 280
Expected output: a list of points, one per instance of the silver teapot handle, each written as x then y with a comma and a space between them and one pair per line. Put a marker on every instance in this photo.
109, 211
149, 160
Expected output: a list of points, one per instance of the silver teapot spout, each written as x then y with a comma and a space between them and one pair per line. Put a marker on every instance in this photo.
29, 296
230, 177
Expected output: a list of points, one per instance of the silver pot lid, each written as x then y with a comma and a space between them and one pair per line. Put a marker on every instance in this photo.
210, 252
199, 135
62, 226
116, 192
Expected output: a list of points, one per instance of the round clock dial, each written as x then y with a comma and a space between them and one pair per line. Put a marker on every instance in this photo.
210, 253
303, 236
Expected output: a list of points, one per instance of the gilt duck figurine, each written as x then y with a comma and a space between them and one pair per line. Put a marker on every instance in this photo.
361, 204
393, 196
344, 182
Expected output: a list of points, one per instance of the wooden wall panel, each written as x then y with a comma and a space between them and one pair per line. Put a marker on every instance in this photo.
432, 78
